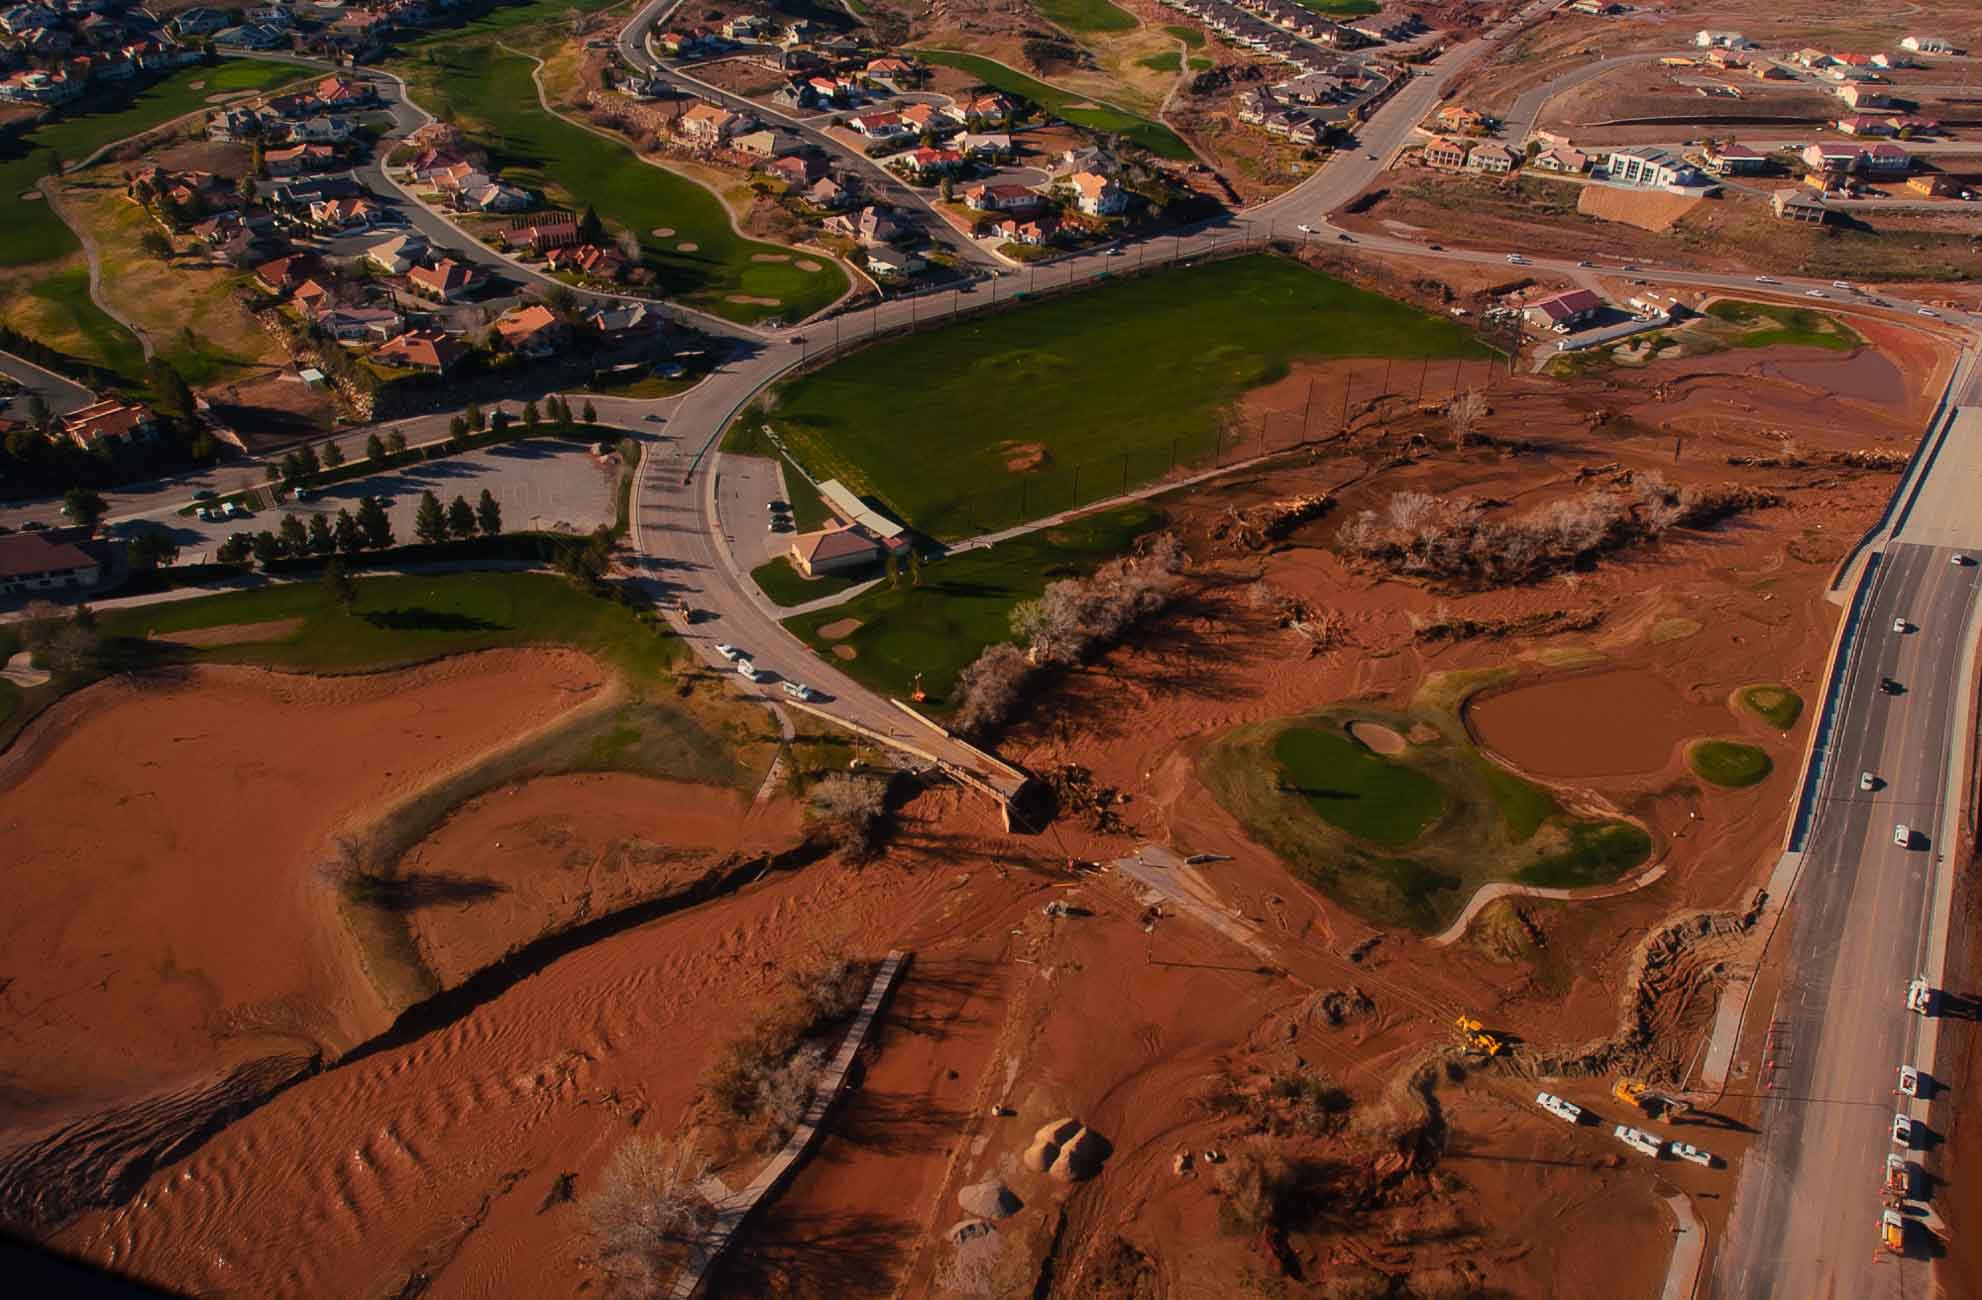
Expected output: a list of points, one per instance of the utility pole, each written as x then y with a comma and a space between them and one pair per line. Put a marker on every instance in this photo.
1348, 383
1422, 373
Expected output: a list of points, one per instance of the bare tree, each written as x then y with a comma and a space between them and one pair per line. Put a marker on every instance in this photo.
988, 690
650, 1204
854, 811
1465, 414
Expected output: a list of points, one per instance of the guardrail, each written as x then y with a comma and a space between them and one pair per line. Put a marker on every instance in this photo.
1912, 476
1833, 703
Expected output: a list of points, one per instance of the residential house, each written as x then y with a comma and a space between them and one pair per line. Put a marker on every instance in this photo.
709, 124
234, 124
361, 325
497, 196
312, 296
1885, 160
988, 145
976, 112
893, 263
1928, 45
591, 261
1566, 311
882, 127
430, 162
1794, 205
1254, 106
622, 319
285, 273
1561, 159
431, 350
1889, 61
1003, 198
1864, 97
111, 420
828, 195
323, 129
252, 36
878, 226
1933, 185
199, 22
1731, 159
1442, 152
45, 561
1913, 125
1849, 60
1727, 60
894, 73
1811, 58
445, 281
927, 163
763, 144
1458, 118
344, 214
1865, 126
1097, 195
532, 331
1032, 234
926, 120
1766, 71
823, 89
38, 86
1493, 159
1722, 40
1650, 165
541, 234
1831, 156
797, 170
834, 550
745, 27
398, 254
298, 159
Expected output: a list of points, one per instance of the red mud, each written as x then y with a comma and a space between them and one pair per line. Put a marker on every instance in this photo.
1586, 725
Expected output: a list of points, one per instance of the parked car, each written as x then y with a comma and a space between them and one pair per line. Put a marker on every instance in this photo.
728, 651
1306, 229
1959, 559
748, 671
800, 691
1687, 1151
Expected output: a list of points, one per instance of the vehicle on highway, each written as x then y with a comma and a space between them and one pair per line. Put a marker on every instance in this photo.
1902, 1131
1919, 996
1345, 239
748, 671
1866, 781
1649, 1144
1889, 686
1687, 1151
1586, 265
33, 526
1903, 835
1765, 279
1372, 157
1556, 1106
728, 651
1813, 293
1900, 624
1115, 252
1909, 1081
1306, 229
1632, 266
1959, 560
800, 691
798, 338
1929, 311
1516, 259
1434, 248
1841, 284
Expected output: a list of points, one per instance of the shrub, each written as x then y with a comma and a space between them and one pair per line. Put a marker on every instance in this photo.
649, 1206
853, 811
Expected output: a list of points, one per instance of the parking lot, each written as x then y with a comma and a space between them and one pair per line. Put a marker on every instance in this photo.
541, 483
744, 492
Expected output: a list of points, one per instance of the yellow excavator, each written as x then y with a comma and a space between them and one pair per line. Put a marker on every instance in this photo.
1649, 1099
1476, 1038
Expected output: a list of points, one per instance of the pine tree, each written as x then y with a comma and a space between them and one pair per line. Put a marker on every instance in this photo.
374, 448
591, 415
345, 534
430, 521
295, 538
373, 524
266, 548
488, 514
333, 455
322, 540
530, 416
339, 585
461, 518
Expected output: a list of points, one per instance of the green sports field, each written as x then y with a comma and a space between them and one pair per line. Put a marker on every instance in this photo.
1006, 413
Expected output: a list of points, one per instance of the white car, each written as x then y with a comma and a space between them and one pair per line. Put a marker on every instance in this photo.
1687, 1151
1902, 1132
1899, 624
1929, 311
1813, 293
800, 691
1959, 560
1638, 1140
1903, 835
1114, 252
1909, 1081
728, 651
1841, 284
1516, 259
1307, 230
1765, 279
1867, 781
748, 671
1556, 1106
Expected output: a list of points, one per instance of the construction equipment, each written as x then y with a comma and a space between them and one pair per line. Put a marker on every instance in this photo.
918, 694
1892, 1231
1649, 1099
1476, 1038
1899, 1179
1920, 996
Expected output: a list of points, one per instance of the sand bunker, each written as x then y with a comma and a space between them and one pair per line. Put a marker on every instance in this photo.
1624, 722
200, 802
846, 652
30, 196
838, 628
687, 246
234, 633
1024, 457
807, 264
750, 300
20, 670
531, 858
770, 257
1377, 738
664, 232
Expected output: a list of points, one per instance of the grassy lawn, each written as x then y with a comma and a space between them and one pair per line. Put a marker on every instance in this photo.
1341, 8
1007, 411
401, 620
963, 603
1362, 792
1085, 15
786, 586
1153, 136
1406, 840
489, 93
64, 303
1778, 706
1769, 325
1190, 36
1728, 764
1168, 61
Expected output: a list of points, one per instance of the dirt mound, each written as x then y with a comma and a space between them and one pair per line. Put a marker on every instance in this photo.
1653, 210
234, 633
1046, 1144
1025, 457
1377, 738
992, 1200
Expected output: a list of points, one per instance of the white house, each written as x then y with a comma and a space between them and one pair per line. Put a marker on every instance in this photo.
1928, 45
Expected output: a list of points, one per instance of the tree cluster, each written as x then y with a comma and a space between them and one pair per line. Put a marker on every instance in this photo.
59, 643
649, 1207
767, 1073
853, 812
1456, 540
1075, 618
458, 520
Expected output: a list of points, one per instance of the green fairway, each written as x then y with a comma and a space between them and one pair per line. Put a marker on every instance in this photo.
963, 603
1778, 706
401, 620
110, 343
1153, 136
1085, 15
1728, 764
1341, 8
489, 93
1346, 785
786, 586
1168, 61
1407, 839
1190, 36
1770, 325
1008, 412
